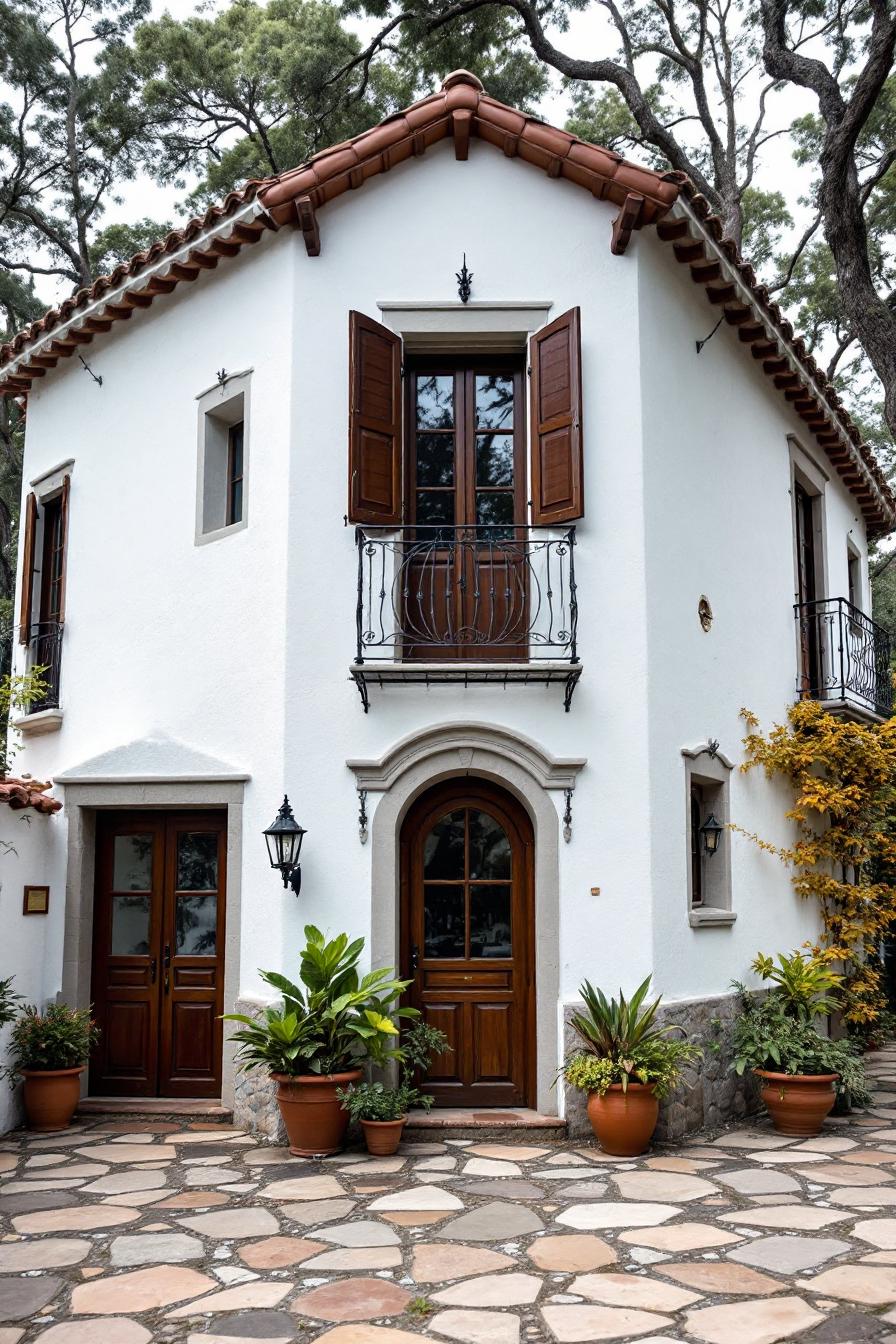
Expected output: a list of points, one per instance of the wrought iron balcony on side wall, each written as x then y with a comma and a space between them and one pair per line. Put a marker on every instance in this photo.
845, 658
466, 605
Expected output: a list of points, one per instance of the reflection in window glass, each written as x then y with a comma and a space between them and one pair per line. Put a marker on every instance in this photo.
443, 849
435, 459
443, 921
494, 459
132, 863
196, 921
197, 861
130, 926
490, 921
494, 401
489, 847
435, 506
435, 401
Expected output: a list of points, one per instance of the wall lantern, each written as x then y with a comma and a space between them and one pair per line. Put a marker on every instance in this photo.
711, 830
284, 841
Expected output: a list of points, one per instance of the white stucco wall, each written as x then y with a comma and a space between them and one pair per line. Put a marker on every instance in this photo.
241, 648
718, 515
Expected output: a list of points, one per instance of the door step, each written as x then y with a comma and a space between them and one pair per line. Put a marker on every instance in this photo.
157, 1108
518, 1126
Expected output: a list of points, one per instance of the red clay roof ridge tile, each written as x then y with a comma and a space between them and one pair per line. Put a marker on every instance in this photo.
23, 793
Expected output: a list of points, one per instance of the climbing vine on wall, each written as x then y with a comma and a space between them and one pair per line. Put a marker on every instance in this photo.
844, 780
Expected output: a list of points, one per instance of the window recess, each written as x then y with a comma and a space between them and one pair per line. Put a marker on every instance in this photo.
42, 594
221, 505
707, 774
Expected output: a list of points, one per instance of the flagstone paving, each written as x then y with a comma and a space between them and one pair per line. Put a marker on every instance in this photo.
131, 1233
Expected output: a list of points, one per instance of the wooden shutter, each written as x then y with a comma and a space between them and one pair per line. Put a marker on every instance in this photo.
555, 360
63, 542
374, 429
27, 589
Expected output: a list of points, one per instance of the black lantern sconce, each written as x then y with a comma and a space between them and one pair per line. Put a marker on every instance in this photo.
284, 841
712, 831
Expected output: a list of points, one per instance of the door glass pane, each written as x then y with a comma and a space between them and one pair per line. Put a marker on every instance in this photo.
443, 849
494, 401
435, 401
443, 921
490, 921
495, 508
494, 459
435, 459
489, 847
130, 926
197, 861
196, 919
132, 863
435, 506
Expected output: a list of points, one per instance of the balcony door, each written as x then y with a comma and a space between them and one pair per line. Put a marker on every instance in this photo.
158, 954
465, 586
468, 939
806, 574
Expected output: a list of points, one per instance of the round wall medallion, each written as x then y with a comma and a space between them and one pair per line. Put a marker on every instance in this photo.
704, 611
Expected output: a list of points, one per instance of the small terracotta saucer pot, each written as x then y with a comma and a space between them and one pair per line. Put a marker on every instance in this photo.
623, 1122
383, 1136
798, 1102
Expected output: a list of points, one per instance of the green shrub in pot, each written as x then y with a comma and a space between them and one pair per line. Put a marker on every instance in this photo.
50, 1049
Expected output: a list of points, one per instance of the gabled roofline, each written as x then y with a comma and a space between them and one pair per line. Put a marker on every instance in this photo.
460, 110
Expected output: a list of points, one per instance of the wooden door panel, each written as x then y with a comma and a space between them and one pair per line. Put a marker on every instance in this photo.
158, 954
127, 927
193, 956
492, 1027
466, 939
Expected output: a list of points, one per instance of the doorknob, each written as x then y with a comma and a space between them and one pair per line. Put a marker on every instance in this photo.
152, 971
166, 962
415, 958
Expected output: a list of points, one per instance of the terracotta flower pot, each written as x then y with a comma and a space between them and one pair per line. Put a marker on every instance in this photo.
798, 1102
383, 1136
623, 1122
312, 1113
51, 1096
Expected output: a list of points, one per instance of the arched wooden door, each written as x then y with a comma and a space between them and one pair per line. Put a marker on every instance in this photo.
468, 939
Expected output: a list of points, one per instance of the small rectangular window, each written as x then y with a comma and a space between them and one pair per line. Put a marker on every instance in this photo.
707, 776
855, 578
235, 474
223, 459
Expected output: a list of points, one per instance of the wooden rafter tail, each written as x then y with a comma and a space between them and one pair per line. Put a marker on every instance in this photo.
461, 125
306, 220
630, 217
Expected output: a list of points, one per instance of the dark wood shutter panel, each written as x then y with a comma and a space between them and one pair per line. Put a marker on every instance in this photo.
27, 594
63, 527
374, 455
555, 358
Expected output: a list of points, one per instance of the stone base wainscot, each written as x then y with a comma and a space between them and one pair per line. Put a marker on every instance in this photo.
255, 1106
710, 1094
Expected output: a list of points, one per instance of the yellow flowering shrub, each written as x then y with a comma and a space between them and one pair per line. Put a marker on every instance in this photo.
843, 777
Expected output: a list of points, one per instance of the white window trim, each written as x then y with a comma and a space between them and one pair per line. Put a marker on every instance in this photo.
233, 386
49, 483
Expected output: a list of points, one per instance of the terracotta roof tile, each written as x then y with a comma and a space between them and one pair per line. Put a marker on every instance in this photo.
22, 793
461, 109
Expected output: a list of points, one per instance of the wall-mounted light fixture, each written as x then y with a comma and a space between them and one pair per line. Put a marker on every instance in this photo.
284, 839
712, 831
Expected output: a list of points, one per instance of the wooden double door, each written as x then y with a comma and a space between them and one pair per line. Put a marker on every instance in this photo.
158, 954
468, 940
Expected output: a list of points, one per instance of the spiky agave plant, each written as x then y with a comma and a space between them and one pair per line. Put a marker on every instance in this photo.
624, 1031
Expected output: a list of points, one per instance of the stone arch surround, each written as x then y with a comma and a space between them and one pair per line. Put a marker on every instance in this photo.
530, 774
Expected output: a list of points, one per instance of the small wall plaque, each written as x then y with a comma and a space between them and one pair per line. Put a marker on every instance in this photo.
36, 901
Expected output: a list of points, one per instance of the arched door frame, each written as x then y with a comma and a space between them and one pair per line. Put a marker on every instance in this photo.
537, 780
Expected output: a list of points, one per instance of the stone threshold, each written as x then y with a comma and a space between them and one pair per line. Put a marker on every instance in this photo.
156, 1108
515, 1126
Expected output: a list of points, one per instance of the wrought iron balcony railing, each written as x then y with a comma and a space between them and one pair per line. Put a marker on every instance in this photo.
441, 603
844, 656
44, 653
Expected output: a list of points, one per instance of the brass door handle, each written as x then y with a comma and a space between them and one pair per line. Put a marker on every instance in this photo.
166, 962
152, 971
415, 958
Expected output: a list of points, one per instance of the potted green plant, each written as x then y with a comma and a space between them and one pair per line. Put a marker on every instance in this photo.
50, 1051
626, 1064
314, 1044
802, 1072
383, 1111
